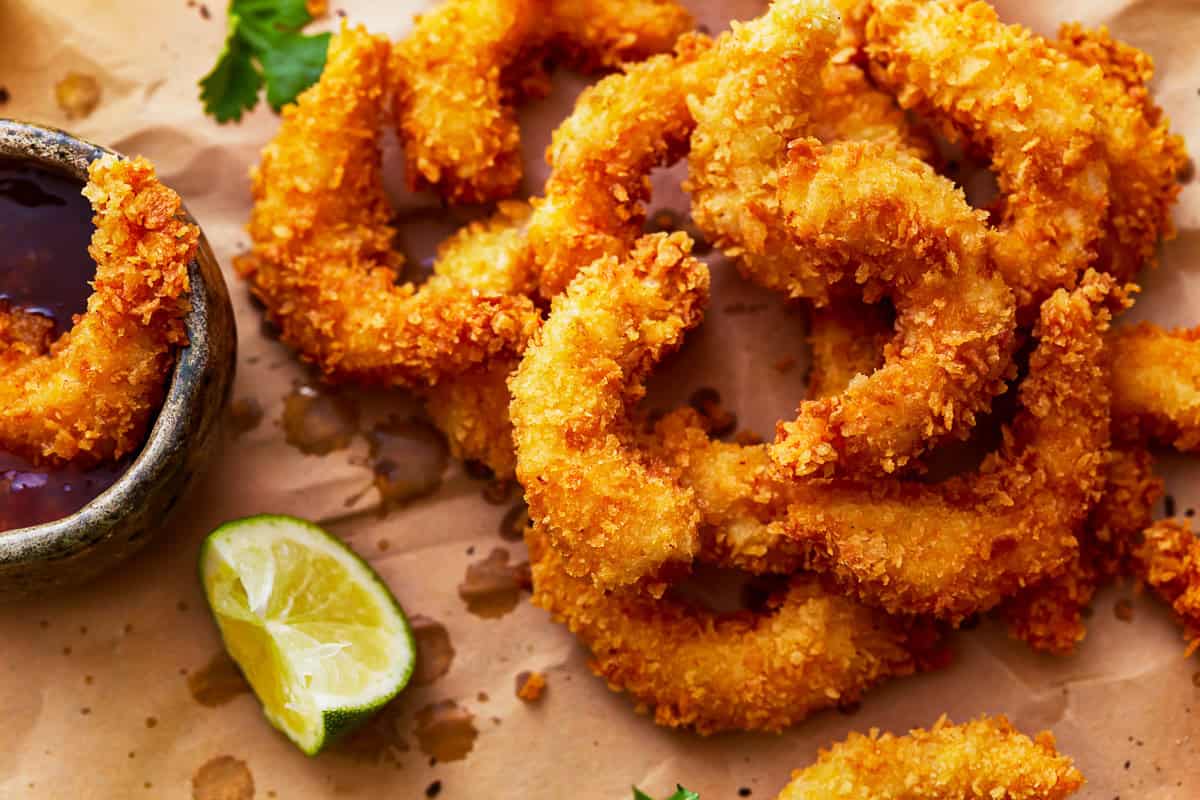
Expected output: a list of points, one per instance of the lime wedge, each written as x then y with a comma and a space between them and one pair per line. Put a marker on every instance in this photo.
315, 631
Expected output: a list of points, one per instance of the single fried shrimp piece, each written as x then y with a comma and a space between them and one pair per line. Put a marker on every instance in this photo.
847, 339
1156, 385
810, 649
615, 514
961, 546
984, 759
91, 398
322, 260
454, 100
1013, 95
1144, 157
867, 213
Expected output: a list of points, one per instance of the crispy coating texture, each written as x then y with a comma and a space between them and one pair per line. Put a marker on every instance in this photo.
1027, 104
1144, 157
809, 650
23, 333
984, 759
1168, 560
961, 546
764, 78
1050, 616
489, 256
1156, 385
456, 73
601, 157
846, 340
93, 395
866, 213
616, 515
322, 260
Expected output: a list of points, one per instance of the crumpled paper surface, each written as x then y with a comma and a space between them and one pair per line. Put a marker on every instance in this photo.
94, 688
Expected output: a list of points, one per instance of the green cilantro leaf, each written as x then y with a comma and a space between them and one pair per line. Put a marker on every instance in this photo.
264, 47
232, 86
680, 794
293, 66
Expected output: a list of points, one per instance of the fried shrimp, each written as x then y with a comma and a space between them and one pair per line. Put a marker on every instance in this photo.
961, 546
984, 759
1144, 157
1156, 385
454, 101
1030, 106
92, 396
808, 650
322, 261
882, 218
617, 516
23, 333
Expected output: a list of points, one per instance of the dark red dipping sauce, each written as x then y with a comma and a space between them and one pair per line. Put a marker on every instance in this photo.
45, 228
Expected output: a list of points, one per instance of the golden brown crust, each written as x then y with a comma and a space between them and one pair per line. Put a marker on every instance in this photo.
866, 213
961, 546
465, 62
1168, 560
1156, 385
92, 396
322, 260
811, 649
1027, 104
980, 760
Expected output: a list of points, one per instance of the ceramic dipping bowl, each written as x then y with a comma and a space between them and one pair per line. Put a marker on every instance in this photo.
136, 506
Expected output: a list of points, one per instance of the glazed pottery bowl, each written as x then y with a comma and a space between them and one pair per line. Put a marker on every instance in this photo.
137, 504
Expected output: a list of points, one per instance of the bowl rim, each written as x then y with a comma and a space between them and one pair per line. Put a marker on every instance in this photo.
64, 152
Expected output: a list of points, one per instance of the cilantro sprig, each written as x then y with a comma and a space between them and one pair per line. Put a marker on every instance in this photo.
680, 794
263, 47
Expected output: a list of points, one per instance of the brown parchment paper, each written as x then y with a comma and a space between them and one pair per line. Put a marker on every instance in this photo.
94, 699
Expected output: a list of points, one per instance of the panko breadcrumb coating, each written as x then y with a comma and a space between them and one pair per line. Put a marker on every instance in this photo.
810, 649
1026, 103
616, 515
985, 759
322, 260
961, 546
92, 396
459, 70
1156, 385
862, 212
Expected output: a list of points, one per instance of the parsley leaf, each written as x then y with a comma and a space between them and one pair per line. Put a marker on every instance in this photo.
264, 47
680, 794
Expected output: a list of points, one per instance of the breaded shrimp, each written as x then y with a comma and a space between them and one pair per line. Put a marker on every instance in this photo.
810, 649
1015, 96
616, 515
961, 546
866, 213
985, 759
92, 397
23, 333
454, 101
1156, 385
322, 260
1144, 157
